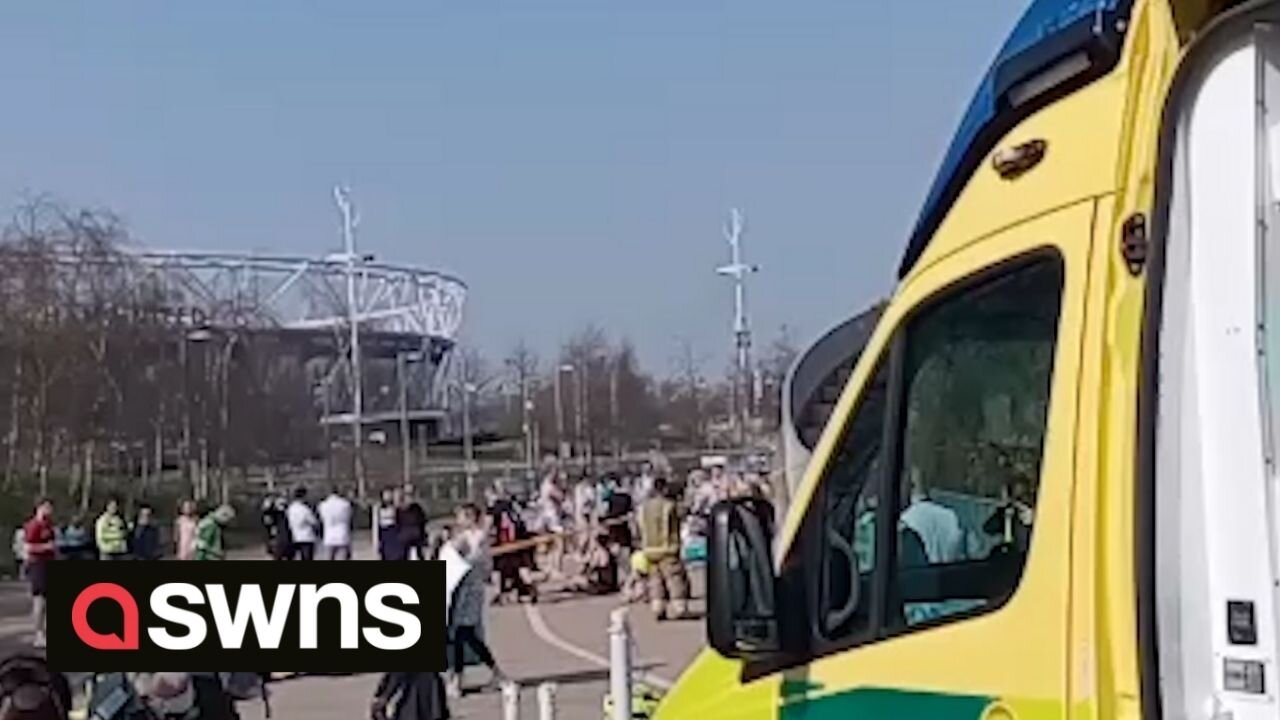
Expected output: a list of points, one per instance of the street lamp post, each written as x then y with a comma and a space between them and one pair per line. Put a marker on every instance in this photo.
328, 432
564, 446
184, 364
579, 412
198, 335
468, 447
353, 260
224, 414
526, 410
615, 429
738, 270
526, 426
406, 439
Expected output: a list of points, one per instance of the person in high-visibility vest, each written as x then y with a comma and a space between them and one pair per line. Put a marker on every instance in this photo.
660, 542
111, 533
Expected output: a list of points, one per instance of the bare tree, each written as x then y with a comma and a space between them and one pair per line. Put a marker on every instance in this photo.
522, 363
774, 364
584, 358
687, 406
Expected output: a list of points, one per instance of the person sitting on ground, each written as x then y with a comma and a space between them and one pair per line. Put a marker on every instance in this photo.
600, 568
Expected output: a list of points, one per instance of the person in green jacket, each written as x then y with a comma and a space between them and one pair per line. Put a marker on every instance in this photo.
111, 533
209, 542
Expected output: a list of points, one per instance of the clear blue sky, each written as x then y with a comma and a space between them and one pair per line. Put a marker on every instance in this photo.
572, 160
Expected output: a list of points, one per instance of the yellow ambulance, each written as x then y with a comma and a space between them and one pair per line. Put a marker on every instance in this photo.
1049, 487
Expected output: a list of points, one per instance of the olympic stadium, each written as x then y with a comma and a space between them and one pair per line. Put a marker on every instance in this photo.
406, 321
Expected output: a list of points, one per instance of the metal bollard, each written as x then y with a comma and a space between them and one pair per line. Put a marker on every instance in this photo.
620, 664
510, 701
547, 701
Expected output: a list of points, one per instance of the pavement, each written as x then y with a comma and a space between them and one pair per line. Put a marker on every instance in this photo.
563, 639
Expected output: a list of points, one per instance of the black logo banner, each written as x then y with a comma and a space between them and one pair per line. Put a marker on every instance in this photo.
359, 616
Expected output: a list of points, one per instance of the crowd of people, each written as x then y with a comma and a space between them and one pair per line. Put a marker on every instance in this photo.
621, 532
627, 533
113, 537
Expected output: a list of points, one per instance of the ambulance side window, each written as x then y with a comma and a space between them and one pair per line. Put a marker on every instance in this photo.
976, 376
849, 495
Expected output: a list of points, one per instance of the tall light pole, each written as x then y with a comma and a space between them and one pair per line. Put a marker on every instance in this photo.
564, 446
328, 432
738, 270
530, 440
350, 219
406, 439
468, 447
197, 335
526, 409
224, 413
579, 412
614, 410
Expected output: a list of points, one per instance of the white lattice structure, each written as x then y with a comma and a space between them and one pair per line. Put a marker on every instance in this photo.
293, 293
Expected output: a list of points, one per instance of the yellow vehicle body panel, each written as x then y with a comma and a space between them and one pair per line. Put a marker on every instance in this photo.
1075, 605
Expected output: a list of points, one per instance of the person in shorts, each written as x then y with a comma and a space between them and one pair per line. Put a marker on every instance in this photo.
41, 538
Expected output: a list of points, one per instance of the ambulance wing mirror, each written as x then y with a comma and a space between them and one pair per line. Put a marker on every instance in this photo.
742, 619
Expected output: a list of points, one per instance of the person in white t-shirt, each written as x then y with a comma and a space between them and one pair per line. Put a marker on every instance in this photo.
937, 525
335, 519
584, 510
643, 486
302, 526
943, 540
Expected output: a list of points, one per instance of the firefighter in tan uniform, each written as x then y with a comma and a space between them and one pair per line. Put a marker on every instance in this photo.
659, 521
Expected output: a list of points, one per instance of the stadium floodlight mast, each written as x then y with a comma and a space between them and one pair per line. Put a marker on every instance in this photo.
738, 270
350, 220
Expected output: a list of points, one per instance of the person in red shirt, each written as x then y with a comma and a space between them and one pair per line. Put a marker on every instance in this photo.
40, 538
